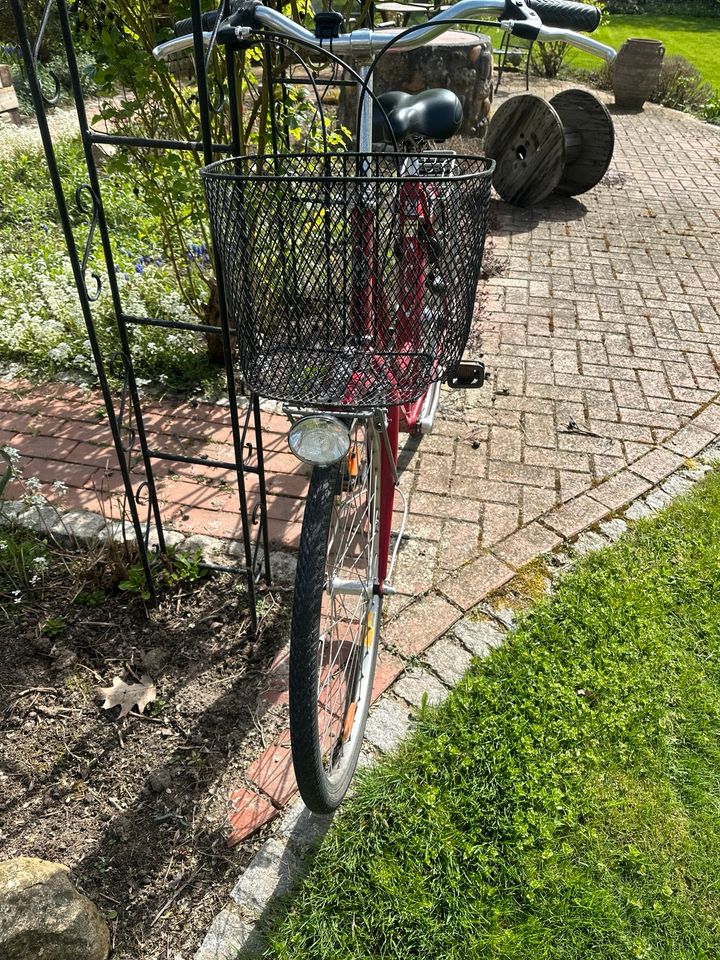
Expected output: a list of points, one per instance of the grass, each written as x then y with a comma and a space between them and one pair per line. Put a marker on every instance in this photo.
696, 38
564, 802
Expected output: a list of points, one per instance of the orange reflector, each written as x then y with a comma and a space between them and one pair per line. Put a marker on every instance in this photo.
349, 722
369, 629
352, 461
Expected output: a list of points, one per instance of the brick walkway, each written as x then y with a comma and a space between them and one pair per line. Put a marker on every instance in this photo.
602, 333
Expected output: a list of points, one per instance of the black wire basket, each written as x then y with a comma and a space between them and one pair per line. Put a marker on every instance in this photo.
349, 278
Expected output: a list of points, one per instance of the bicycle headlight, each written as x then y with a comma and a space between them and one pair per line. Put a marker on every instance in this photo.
320, 440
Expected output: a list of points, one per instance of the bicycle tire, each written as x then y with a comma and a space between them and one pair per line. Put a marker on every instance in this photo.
321, 787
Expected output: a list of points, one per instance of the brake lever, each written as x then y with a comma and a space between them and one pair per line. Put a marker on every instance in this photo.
518, 10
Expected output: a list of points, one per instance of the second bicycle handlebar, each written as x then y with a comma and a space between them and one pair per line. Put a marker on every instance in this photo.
542, 20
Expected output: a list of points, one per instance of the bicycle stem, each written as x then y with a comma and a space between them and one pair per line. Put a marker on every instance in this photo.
366, 114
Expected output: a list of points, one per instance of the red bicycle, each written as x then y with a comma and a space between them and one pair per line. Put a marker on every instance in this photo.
351, 280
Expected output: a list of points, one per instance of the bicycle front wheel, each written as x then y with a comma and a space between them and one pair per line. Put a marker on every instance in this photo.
335, 621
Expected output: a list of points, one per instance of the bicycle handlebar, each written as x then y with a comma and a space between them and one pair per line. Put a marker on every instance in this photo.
519, 17
208, 20
566, 14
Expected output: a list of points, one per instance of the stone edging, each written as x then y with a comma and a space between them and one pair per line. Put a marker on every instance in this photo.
236, 930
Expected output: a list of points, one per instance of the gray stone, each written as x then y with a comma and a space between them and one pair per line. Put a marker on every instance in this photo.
228, 934
273, 407
172, 539
614, 529
657, 500
303, 829
271, 873
479, 636
456, 61
209, 547
417, 683
43, 917
102, 152
83, 526
589, 542
366, 759
117, 531
697, 472
677, 485
42, 518
638, 511
11, 510
387, 725
449, 660
503, 615
711, 454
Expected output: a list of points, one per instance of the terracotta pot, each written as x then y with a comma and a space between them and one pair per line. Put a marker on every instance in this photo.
637, 71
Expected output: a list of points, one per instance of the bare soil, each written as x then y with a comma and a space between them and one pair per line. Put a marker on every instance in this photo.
136, 807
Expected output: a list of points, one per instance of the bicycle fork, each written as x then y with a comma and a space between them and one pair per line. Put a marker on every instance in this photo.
385, 425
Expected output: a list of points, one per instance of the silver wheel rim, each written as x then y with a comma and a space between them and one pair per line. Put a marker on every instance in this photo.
349, 610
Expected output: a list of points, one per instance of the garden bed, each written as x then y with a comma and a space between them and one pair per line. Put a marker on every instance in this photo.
137, 807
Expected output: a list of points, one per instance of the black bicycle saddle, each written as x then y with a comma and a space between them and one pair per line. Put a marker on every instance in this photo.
430, 115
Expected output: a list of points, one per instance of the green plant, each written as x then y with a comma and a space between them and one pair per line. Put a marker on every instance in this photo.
56, 66
183, 567
548, 58
53, 627
681, 85
169, 570
24, 561
710, 110
681, 8
91, 597
135, 582
158, 103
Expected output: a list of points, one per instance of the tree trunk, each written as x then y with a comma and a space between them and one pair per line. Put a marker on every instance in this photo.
457, 61
214, 341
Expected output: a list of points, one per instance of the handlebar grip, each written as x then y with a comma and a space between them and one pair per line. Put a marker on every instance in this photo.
183, 27
566, 14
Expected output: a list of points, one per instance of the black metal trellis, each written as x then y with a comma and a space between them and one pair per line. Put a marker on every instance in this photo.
126, 418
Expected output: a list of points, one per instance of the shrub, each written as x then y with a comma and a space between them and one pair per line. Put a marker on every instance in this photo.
58, 66
710, 111
548, 58
681, 85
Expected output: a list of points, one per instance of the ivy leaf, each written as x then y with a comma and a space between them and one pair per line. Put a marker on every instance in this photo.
127, 695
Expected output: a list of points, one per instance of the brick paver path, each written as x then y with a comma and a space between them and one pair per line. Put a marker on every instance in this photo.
602, 333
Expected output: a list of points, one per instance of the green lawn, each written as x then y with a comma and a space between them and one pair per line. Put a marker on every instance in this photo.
563, 804
696, 38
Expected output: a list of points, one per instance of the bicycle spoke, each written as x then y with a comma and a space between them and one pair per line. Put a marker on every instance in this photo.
348, 592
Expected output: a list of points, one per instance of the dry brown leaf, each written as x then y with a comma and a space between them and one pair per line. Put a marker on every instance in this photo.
128, 695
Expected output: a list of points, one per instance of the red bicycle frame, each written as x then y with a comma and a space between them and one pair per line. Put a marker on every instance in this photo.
370, 316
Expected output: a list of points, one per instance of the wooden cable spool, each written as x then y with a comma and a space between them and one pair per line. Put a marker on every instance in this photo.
564, 146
